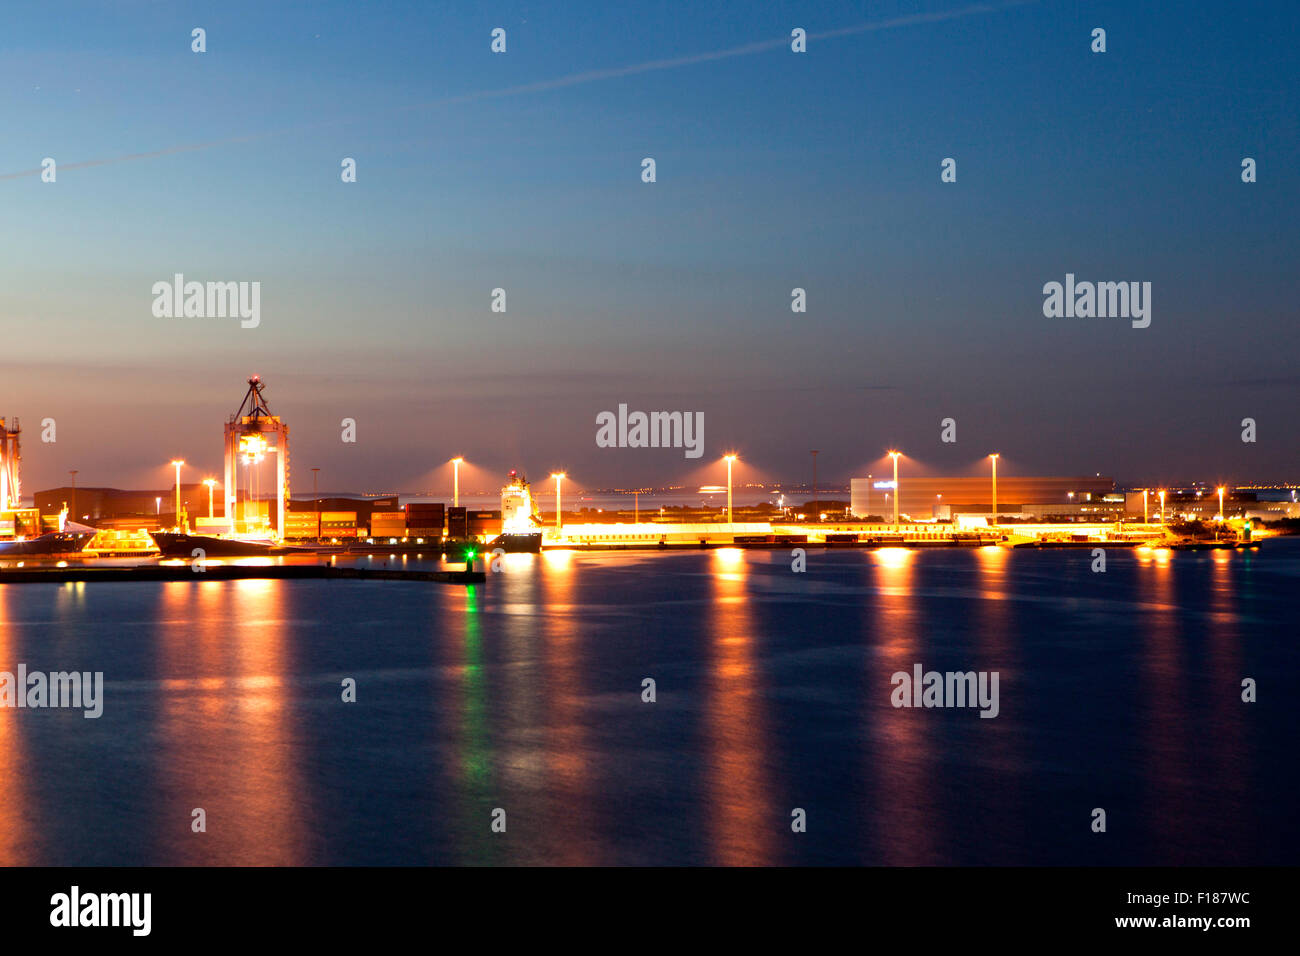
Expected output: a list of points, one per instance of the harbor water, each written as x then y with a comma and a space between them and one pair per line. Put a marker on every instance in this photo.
522, 700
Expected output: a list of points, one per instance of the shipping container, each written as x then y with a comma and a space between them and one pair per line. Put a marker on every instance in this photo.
456, 524
483, 522
349, 517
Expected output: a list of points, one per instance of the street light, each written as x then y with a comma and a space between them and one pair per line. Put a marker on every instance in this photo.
994, 458
315, 497
211, 483
558, 476
1221, 490
895, 455
814, 458
178, 462
729, 459
1146, 518
1162, 505
455, 481
158, 504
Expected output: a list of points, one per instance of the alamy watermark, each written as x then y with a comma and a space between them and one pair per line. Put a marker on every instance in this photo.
75, 908
1102, 300
208, 300
651, 430
947, 689
75, 689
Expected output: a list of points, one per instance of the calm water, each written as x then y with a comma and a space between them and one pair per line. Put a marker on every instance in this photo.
1118, 690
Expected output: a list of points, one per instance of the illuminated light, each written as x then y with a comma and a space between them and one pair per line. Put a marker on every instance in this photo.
62, 564
893, 558
730, 460
558, 558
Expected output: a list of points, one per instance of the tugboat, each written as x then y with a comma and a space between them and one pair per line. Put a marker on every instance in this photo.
520, 526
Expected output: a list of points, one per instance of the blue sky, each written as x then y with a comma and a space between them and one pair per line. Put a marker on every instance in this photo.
775, 170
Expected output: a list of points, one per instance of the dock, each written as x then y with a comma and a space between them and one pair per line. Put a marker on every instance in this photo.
234, 572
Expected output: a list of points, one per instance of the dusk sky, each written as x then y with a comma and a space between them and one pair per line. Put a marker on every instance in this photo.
775, 170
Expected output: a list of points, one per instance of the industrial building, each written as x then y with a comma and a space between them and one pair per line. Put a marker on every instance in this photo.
926, 496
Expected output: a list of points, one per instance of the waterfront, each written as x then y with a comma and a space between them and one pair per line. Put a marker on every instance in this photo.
1119, 690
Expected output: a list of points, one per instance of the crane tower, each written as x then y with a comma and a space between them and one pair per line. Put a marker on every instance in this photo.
10, 475
251, 434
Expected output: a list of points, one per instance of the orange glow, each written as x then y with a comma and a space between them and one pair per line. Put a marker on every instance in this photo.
893, 558
735, 725
14, 808
557, 557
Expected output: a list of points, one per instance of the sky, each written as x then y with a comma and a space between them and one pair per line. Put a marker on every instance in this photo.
775, 170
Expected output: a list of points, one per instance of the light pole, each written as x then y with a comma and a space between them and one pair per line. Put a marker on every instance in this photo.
73, 473
1146, 517
455, 482
315, 497
158, 504
211, 483
1162, 506
178, 462
558, 476
1221, 490
894, 455
729, 459
994, 458
815, 510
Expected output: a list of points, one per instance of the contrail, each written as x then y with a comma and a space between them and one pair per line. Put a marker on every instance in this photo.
85, 163
573, 79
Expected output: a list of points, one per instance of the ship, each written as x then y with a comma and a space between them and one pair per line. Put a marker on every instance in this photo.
520, 527
71, 540
175, 544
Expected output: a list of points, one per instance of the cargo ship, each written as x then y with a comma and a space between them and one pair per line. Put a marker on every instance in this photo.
71, 540
520, 527
174, 544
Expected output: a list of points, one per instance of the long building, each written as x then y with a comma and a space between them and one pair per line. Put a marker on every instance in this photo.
921, 495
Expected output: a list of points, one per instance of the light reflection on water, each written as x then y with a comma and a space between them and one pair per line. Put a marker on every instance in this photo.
225, 745
738, 810
1119, 690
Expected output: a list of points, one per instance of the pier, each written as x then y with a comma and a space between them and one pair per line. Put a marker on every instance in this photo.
230, 572
760, 535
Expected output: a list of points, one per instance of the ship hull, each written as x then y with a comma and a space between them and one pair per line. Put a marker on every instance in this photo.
518, 543
173, 545
52, 544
